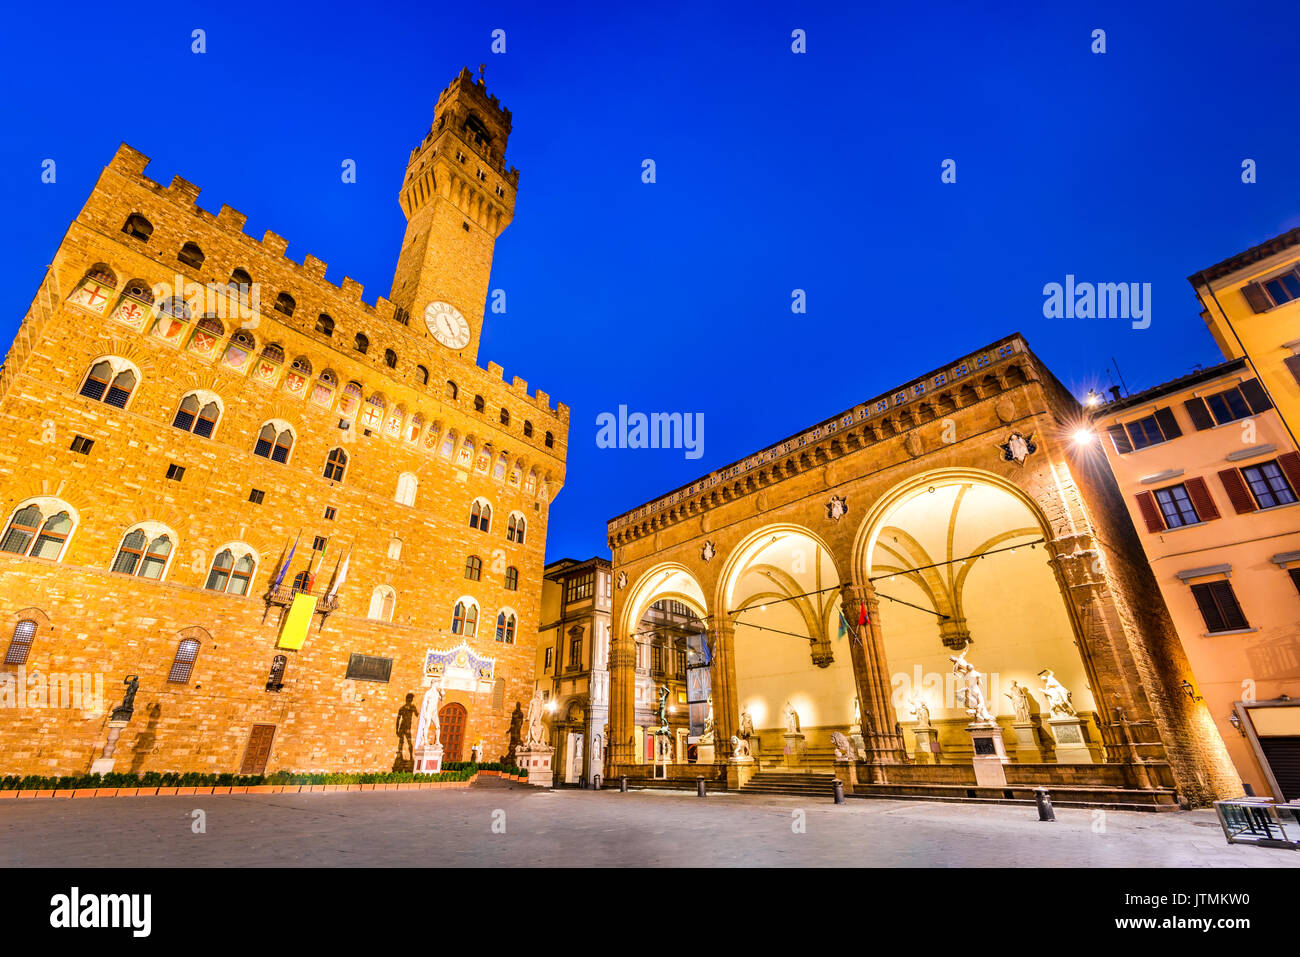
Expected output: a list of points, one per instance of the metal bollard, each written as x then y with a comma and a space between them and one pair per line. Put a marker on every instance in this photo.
699, 787
595, 782
622, 784
839, 791
1044, 802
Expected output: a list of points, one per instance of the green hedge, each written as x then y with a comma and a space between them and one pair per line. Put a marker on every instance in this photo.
451, 771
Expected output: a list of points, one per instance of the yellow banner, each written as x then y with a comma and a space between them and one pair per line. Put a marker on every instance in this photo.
296, 623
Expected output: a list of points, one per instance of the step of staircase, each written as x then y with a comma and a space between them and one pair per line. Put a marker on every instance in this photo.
790, 782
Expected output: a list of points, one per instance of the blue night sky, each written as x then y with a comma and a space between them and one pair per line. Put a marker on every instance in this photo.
775, 171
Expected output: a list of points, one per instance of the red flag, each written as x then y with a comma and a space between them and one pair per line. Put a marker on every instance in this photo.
862, 615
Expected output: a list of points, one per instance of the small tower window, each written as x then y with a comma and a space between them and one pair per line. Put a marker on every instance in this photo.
479, 404
390, 358
285, 303
137, 227
325, 325
361, 343
191, 255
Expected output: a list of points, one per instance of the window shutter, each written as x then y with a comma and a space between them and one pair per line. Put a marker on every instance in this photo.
1208, 608
1168, 424
1200, 414
1199, 493
1150, 512
1291, 466
1119, 436
1293, 363
1238, 494
1256, 297
1256, 397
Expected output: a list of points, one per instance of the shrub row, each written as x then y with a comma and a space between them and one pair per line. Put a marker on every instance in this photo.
451, 771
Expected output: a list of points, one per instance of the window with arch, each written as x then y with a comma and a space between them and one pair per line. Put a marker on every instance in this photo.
336, 465
111, 380
479, 404
20, 643
515, 528
274, 442
512, 579
285, 303
390, 358
240, 283
145, 551
187, 652
395, 548
528, 429
474, 568
480, 515
422, 374
452, 390
550, 440
324, 325
464, 618
402, 316
407, 485
191, 255
302, 582
40, 528
382, 602
232, 570
199, 413
506, 627
137, 227
505, 416
361, 343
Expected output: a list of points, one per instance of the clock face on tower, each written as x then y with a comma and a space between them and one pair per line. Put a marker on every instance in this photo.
446, 324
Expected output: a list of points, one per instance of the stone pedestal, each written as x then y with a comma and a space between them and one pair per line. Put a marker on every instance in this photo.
990, 754
740, 770
104, 764
704, 754
1029, 746
847, 772
428, 759
796, 746
927, 744
1071, 736
536, 759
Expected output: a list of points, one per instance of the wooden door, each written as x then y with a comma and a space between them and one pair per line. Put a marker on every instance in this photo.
452, 719
258, 750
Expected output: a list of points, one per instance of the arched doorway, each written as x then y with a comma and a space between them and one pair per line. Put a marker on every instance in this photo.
451, 718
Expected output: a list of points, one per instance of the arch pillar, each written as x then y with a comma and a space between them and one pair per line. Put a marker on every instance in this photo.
871, 676
621, 746
722, 684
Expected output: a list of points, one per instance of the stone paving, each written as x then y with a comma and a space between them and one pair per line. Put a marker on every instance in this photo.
585, 828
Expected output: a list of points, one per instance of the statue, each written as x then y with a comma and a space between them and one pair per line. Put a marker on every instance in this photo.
405, 715
739, 747
857, 711
429, 716
1058, 698
707, 736
746, 725
921, 711
536, 731
791, 719
597, 757
663, 709
577, 756
1019, 696
124, 711
972, 695
844, 750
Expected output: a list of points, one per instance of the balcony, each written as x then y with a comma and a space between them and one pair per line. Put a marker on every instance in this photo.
283, 597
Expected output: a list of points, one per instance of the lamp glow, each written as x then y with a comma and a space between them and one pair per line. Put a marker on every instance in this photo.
1083, 437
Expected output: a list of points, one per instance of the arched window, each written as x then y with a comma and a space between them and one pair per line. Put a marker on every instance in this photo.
395, 548
232, 570
402, 316
506, 627
407, 484
275, 680
241, 284
390, 358
145, 551
382, 602
550, 440
464, 618
515, 528
110, 380
512, 578
474, 568
480, 515
274, 442
191, 255
452, 390
285, 303
199, 413
479, 404
39, 527
137, 227
505, 416
324, 325
422, 374
361, 343
302, 582
20, 645
335, 465
187, 652
528, 429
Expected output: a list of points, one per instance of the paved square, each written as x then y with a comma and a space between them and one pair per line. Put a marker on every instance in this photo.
584, 828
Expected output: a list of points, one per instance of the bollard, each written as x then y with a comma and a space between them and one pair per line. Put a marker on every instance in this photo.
1044, 802
622, 783
839, 791
699, 787
595, 782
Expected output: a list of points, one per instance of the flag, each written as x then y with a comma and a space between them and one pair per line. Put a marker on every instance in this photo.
340, 576
844, 628
704, 645
863, 619
275, 585
296, 623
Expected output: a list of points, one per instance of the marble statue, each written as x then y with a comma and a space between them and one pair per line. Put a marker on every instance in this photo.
429, 716
746, 725
921, 711
791, 719
1058, 698
597, 755
536, 731
709, 728
577, 756
739, 747
844, 750
405, 716
972, 694
1019, 696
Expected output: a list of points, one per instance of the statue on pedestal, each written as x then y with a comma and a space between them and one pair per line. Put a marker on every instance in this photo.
746, 725
124, 711
739, 747
663, 709
844, 749
1019, 696
972, 694
536, 731
791, 719
707, 736
429, 715
921, 711
1058, 698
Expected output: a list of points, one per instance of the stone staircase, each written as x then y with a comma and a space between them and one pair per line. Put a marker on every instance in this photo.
810, 783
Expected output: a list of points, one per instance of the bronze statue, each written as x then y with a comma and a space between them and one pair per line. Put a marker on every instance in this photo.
124, 711
405, 715
663, 707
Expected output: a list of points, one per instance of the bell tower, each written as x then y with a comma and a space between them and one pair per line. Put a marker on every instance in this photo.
458, 196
